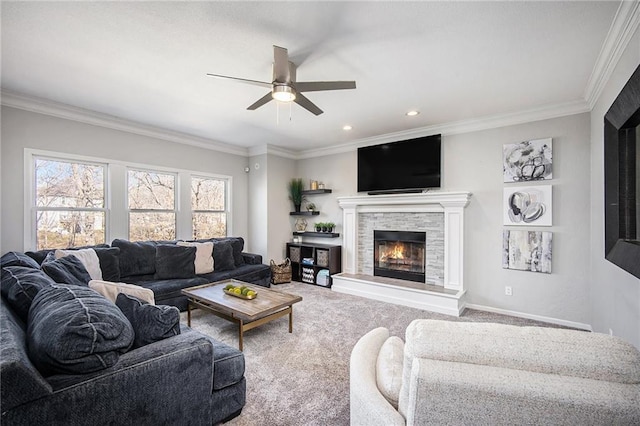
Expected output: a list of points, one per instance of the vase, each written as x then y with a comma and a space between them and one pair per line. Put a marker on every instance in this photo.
297, 207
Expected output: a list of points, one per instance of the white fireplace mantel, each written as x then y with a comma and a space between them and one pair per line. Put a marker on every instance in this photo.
451, 204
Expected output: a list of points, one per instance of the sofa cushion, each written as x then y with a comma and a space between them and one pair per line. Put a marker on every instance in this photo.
150, 323
204, 255
136, 258
223, 256
89, 259
20, 285
74, 330
110, 290
67, 270
389, 369
228, 365
173, 261
15, 258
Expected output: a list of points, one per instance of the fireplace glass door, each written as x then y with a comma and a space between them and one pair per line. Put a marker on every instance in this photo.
399, 254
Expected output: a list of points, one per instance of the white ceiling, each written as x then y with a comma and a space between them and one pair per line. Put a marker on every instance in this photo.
453, 61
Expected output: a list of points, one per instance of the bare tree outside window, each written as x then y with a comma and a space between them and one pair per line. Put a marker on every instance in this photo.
152, 205
208, 205
69, 203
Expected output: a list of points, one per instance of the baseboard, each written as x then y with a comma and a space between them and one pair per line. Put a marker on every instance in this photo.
541, 318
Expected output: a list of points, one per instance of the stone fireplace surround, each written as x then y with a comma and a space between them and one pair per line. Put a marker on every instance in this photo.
437, 213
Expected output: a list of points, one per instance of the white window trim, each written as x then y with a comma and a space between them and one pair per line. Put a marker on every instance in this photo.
116, 196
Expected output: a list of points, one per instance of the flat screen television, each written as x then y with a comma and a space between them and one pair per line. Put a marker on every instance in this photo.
411, 165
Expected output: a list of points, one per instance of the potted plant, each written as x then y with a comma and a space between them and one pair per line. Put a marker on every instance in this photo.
311, 207
296, 196
318, 226
330, 226
324, 227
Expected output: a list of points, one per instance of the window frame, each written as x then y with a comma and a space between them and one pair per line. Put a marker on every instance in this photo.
176, 200
227, 200
116, 193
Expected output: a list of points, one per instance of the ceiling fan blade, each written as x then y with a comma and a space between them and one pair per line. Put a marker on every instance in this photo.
263, 100
281, 65
242, 80
315, 86
307, 104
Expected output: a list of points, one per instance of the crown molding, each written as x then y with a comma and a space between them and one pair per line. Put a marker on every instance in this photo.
274, 150
459, 127
60, 110
622, 29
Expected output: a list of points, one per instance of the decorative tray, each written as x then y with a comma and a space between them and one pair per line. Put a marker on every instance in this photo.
241, 296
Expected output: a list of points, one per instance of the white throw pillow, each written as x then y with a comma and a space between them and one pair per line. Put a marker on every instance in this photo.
89, 259
111, 290
389, 369
204, 256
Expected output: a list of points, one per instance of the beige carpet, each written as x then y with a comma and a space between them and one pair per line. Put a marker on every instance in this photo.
303, 378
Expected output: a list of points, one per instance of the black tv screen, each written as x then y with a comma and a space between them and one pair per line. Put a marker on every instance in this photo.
405, 166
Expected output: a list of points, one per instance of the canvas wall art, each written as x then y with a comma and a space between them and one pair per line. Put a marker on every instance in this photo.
528, 205
528, 161
527, 250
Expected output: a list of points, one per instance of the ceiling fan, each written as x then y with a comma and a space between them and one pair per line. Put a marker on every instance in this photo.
284, 86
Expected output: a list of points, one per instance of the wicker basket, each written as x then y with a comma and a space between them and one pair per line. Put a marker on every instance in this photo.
281, 273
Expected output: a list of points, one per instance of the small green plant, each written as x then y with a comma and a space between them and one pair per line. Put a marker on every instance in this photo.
311, 207
330, 226
296, 196
318, 226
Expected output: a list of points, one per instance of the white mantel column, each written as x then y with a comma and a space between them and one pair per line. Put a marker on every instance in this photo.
350, 239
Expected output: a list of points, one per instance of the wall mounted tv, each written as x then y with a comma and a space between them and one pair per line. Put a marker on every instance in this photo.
405, 166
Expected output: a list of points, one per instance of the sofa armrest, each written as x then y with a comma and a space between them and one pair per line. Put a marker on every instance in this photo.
166, 382
480, 394
252, 258
367, 405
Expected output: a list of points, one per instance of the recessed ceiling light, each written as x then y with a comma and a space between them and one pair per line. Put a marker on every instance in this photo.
347, 127
413, 113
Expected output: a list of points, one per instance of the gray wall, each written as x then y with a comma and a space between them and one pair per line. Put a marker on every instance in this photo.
615, 294
473, 162
22, 129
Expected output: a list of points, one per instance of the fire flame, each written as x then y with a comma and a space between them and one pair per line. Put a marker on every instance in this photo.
396, 253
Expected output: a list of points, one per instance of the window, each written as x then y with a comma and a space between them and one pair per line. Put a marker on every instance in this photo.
208, 206
152, 205
69, 203
73, 201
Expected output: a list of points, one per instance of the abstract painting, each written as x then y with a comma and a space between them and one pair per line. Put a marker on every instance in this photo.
528, 205
527, 161
527, 250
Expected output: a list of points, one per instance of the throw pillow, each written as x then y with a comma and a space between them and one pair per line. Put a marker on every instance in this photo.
238, 245
67, 270
174, 261
204, 256
20, 285
15, 258
223, 256
389, 369
74, 330
40, 255
110, 290
150, 323
89, 259
109, 262
136, 258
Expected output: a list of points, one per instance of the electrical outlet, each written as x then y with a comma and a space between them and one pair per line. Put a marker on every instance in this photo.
508, 291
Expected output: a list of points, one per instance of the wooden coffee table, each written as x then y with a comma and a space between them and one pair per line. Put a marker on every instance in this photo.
267, 306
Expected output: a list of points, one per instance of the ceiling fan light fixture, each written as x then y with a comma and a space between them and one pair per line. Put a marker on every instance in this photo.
412, 113
283, 93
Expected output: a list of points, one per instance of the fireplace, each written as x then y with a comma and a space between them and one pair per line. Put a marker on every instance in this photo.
399, 254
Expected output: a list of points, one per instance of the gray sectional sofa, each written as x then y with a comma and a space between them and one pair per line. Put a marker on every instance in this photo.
70, 356
135, 263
